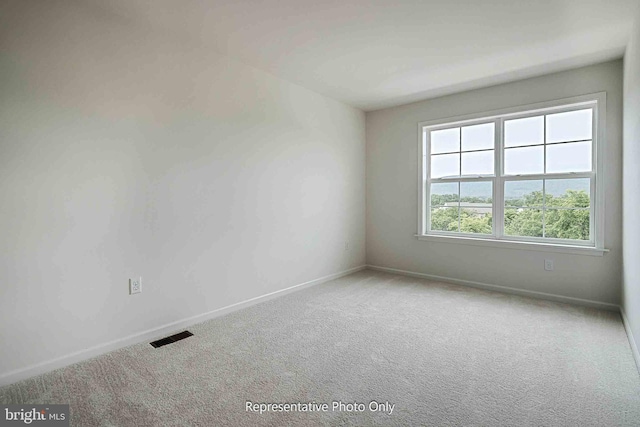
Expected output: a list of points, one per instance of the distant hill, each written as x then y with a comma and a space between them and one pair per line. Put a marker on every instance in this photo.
516, 189
554, 187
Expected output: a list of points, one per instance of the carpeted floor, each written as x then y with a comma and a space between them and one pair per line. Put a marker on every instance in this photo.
443, 355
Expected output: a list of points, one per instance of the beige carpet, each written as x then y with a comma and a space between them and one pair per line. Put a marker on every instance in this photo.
442, 354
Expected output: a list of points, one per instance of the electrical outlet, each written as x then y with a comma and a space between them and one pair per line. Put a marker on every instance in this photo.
135, 286
548, 264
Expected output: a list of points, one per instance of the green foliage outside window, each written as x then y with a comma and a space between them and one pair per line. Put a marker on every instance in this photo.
565, 217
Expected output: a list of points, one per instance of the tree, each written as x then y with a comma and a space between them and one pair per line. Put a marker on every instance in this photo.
564, 217
523, 222
472, 222
441, 199
446, 219
567, 224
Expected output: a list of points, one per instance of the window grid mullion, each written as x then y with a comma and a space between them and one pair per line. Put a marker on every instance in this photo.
498, 187
559, 175
459, 170
544, 181
594, 212
459, 173
544, 206
459, 167
426, 147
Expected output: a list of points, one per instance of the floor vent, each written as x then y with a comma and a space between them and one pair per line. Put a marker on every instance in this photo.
172, 338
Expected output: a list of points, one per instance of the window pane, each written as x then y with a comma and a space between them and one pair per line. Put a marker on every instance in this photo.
523, 222
476, 194
476, 220
523, 193
527, 131
568, 193
567, 224
445, 165
477, 137
477, 163
443, 193
526, 160
572, 157
444, 219
445, 141
476, 207
569, 126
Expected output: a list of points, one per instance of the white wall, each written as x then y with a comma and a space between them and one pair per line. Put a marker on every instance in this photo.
631, 186
125, 153
392, 162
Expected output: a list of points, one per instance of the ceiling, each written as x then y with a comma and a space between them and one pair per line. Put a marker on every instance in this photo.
374, 54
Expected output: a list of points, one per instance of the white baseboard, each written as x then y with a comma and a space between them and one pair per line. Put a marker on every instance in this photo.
151, 334
503, 289
632, 341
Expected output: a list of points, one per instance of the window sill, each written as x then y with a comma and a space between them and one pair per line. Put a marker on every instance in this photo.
525, 246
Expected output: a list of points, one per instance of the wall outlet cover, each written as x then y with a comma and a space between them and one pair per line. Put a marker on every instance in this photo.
548, 264
135, 286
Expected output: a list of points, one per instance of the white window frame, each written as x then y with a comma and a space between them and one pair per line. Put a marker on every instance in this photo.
595, 246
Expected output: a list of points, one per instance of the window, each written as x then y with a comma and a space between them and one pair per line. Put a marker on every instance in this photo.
525, 175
